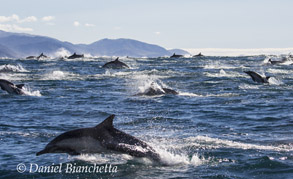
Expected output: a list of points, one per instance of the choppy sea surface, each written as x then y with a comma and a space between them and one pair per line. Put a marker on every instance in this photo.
221, 125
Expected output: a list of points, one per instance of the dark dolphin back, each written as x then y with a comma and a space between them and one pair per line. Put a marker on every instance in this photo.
255, 77
5, 81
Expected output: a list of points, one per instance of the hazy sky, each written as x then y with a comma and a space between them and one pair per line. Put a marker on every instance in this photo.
168, 23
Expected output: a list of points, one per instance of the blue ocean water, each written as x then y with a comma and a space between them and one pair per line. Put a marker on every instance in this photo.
221, 125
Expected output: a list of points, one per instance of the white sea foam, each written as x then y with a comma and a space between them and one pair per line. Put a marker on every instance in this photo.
29, 92
59, 75
12, 68
218, 65
223, 73
275, 81
248, 86
221, 143
280, 71
167, 157
189, 94
62, 52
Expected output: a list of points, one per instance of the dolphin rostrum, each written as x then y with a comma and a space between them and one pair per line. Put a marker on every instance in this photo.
10, 87
115, 64
257, 78
103, 138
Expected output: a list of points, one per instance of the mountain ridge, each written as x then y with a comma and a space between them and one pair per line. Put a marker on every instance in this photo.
22, 45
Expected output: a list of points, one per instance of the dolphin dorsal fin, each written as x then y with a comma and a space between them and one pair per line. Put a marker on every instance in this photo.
117, 59
107, 122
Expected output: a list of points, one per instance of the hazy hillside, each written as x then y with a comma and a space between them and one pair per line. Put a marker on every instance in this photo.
22, 45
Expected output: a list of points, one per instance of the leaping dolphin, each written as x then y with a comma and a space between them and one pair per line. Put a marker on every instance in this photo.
103, 138
115, 64
257, 78
41, 56
10, 87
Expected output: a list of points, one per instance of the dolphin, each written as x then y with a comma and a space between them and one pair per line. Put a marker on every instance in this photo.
152, 91
103, 138
277, 62
41, 56
115, 64
198, 55
176, 56
10, 87
75, 56
31, 57
256, 77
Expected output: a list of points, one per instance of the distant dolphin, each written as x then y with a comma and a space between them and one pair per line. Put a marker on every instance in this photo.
41, 56
103, 138
277, 62
115, 64
198, 55
176, 56
152, 91
11, 88
75, 56
31, 57
256, 77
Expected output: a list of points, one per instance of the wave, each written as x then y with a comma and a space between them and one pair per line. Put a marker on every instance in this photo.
60, 75
218, 65
248, 86
12, 68
221, 143
223, 73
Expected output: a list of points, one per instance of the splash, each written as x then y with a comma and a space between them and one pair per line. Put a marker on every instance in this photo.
59, 75
12, 68
223, 73
275, 81
62, 52
142, 83
27, 91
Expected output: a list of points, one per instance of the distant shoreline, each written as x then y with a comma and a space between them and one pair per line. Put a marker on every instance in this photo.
239, 51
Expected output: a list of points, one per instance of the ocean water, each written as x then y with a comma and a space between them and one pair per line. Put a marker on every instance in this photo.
221, 125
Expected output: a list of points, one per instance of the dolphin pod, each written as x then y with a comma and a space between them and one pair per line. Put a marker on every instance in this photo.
10, 87
115, 64
103, 138
256, 77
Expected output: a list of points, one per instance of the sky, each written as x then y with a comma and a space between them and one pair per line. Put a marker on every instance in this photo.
186, 24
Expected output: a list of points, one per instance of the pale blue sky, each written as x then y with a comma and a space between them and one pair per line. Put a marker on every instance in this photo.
168, 23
